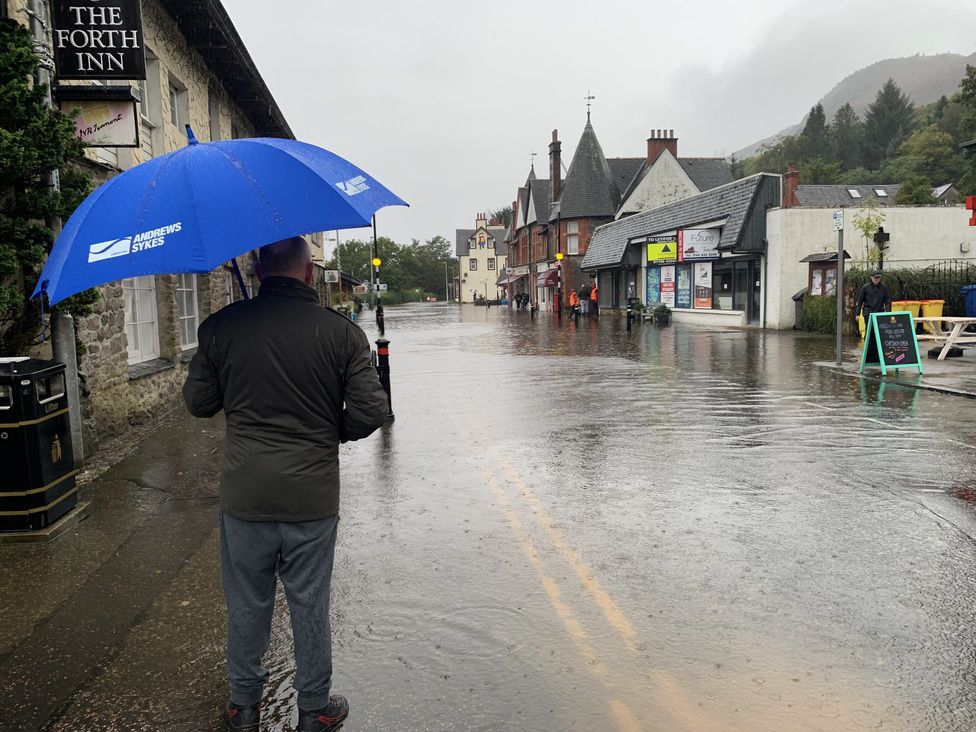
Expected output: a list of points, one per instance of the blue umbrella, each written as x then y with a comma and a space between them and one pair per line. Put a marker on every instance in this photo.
196, 208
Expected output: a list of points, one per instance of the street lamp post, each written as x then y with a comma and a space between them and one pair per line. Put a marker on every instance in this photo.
559, 285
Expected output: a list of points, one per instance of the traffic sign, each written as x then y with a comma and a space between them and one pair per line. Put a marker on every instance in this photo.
839, 220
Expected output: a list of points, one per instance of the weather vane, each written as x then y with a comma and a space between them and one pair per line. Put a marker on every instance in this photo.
589, 98
532, 158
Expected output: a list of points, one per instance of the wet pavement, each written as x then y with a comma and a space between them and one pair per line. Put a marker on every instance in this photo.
566, 527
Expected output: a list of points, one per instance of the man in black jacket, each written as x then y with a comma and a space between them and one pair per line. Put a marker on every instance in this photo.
294, 380
873, 297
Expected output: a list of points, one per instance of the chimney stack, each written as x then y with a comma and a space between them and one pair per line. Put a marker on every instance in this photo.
555, 168
790, 181
658, 142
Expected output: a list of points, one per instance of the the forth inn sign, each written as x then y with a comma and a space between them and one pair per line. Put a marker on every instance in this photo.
98, 39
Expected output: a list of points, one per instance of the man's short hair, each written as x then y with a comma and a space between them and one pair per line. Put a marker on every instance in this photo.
284, 256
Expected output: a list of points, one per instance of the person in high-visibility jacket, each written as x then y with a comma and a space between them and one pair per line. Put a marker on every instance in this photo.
574, 300
594, 301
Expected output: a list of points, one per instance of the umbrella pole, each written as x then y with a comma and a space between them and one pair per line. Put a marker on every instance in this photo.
240, 278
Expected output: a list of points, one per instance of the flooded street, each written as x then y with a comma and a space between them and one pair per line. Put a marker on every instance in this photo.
565, 528
677, 529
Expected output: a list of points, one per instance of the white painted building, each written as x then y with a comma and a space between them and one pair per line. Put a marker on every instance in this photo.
482, 257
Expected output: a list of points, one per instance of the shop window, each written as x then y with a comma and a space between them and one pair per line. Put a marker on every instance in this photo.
722, 286
186, 304
572, 237
141, 327
491, 263
472, 264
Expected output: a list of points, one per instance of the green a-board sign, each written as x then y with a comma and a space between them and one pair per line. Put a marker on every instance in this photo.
889, 342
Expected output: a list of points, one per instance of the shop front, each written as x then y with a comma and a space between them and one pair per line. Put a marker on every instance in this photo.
686, 271
547, 282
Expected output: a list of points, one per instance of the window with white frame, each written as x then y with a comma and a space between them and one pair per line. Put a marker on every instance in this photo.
491, 263
472, 264
572, 237
141, 326
149, 108
186, 304
179, 104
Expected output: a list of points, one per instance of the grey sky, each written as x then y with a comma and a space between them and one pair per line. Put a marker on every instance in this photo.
443, 100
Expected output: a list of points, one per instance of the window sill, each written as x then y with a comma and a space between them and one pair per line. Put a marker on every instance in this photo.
187, 355
148, 368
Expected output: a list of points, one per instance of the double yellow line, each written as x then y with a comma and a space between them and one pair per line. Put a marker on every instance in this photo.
667, 693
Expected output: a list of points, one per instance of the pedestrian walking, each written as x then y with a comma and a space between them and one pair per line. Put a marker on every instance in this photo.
294, 380
594, 300
584, 293
574, 304
873, 297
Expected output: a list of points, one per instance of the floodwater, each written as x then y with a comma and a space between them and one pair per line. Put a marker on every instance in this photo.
567, 527
689, 528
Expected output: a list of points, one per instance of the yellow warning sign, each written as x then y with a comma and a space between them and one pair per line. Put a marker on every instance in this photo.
662, 250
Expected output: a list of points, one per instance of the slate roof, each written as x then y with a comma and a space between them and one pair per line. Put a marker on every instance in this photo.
707, 173
461, 237
824, 257
625, 170
838, 196
540, 196
732, 202
589, 189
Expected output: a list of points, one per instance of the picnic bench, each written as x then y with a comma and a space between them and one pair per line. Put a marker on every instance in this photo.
954, 335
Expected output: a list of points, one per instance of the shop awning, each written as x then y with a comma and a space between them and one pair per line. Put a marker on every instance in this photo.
548, 279
503, 280
515, 278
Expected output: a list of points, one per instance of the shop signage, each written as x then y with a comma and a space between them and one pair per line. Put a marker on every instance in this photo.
523, 270
703, 285
667, 285
103, 123
698, 244
330, 276
662, 249
98, 39
890, 343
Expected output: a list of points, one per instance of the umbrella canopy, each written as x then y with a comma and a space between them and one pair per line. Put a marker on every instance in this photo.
196, 208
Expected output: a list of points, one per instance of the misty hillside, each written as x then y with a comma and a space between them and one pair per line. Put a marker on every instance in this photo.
923, 78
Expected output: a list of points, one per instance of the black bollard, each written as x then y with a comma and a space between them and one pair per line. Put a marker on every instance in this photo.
383, 371
630, 316
380, 319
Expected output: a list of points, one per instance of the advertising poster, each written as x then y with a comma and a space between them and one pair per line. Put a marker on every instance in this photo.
662, 249
667, 285
703, 285
695, 245
653, 285
683, 287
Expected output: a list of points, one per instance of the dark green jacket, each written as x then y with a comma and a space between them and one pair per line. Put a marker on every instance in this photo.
294, 380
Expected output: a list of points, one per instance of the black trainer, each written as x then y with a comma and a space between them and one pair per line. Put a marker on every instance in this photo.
326, 719
242, 719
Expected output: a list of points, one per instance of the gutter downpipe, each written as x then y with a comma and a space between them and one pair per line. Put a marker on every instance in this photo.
765, 281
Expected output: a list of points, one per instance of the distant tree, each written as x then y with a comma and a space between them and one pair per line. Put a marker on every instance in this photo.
814, 139
888, 122
867, 221
939, 156
967, 98
861, 176
818, 171
916, 191
847, 136
502, 215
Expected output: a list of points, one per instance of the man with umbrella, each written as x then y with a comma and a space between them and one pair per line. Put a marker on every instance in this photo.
294, 380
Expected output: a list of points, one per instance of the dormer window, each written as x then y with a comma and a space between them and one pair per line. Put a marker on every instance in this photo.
854, 192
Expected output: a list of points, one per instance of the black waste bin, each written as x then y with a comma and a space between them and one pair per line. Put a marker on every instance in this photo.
37, 486
798, 308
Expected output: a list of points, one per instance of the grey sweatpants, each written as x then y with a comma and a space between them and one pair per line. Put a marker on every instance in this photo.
252, 555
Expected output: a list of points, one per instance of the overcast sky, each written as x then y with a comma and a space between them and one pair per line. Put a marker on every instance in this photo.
444, 100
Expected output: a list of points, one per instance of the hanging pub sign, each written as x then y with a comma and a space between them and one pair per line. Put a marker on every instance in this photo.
890, 343
105, 116
98, 39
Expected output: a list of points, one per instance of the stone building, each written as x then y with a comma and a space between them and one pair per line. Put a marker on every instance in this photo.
134, 348
482, 256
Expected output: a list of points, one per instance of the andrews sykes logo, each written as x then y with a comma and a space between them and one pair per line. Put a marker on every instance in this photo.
132, 244
353, 186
